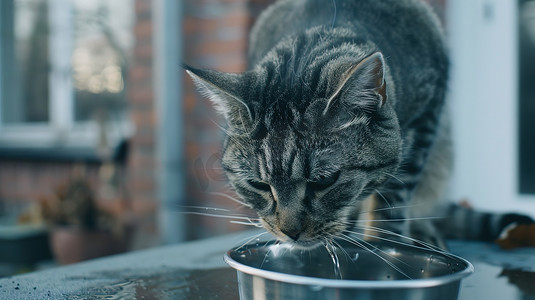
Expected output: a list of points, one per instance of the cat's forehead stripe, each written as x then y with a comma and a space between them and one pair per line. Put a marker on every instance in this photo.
266, 166
261, 166
288, 152
289, 158
284, 159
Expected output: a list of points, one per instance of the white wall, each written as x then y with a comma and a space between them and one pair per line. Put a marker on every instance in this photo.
483, 97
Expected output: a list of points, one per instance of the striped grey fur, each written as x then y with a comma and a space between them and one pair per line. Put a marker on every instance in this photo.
461, 222
342, 103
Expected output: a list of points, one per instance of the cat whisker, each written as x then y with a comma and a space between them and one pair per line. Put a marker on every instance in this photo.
334, 15
250, 223
384, 199
241, 117
230, 198
229, 134
256, 236
393, 220
390, 208
332, 240
215, 211
427, 246
336, 262
206, 208
220, 216
388, 240
277, 243
265, 258
359, 244
240, 145
395, 177
376, 248
211, 209
225, 131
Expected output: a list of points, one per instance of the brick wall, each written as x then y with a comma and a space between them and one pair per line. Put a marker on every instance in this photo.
141, 165
23, 182
215, 37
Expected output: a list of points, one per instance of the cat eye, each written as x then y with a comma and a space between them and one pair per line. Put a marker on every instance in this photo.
259, 185
324, 182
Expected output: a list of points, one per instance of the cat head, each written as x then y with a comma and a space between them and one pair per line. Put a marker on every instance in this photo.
306, 146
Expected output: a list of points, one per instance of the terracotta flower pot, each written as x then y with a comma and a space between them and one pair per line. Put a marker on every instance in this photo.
70, 245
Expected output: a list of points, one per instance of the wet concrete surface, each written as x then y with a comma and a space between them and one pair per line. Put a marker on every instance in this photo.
192, 270
171, 284
499, 274
196, 271
125, 284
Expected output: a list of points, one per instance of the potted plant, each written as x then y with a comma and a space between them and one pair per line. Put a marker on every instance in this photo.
79, 228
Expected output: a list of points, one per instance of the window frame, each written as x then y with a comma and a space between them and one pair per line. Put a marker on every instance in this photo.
61, 131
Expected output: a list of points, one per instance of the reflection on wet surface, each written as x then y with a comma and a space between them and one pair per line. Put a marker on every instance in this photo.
178, 284
525, 281
492, 282
499, 274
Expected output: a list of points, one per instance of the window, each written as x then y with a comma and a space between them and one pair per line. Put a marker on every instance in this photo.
62, 71
491, 101
24, 47
527, 96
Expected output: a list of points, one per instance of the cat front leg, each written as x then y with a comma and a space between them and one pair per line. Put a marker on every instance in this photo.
384, 216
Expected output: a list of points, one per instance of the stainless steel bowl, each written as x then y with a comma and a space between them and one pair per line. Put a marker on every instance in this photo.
385, 270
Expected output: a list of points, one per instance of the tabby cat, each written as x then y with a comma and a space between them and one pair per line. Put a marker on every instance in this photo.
340, 122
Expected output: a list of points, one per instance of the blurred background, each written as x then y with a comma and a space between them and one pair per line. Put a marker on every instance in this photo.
104, 142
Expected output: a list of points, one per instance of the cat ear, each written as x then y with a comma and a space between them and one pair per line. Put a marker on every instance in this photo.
362, 86
223, 90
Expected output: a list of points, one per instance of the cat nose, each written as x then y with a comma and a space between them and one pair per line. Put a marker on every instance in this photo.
290, 222
292, 233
